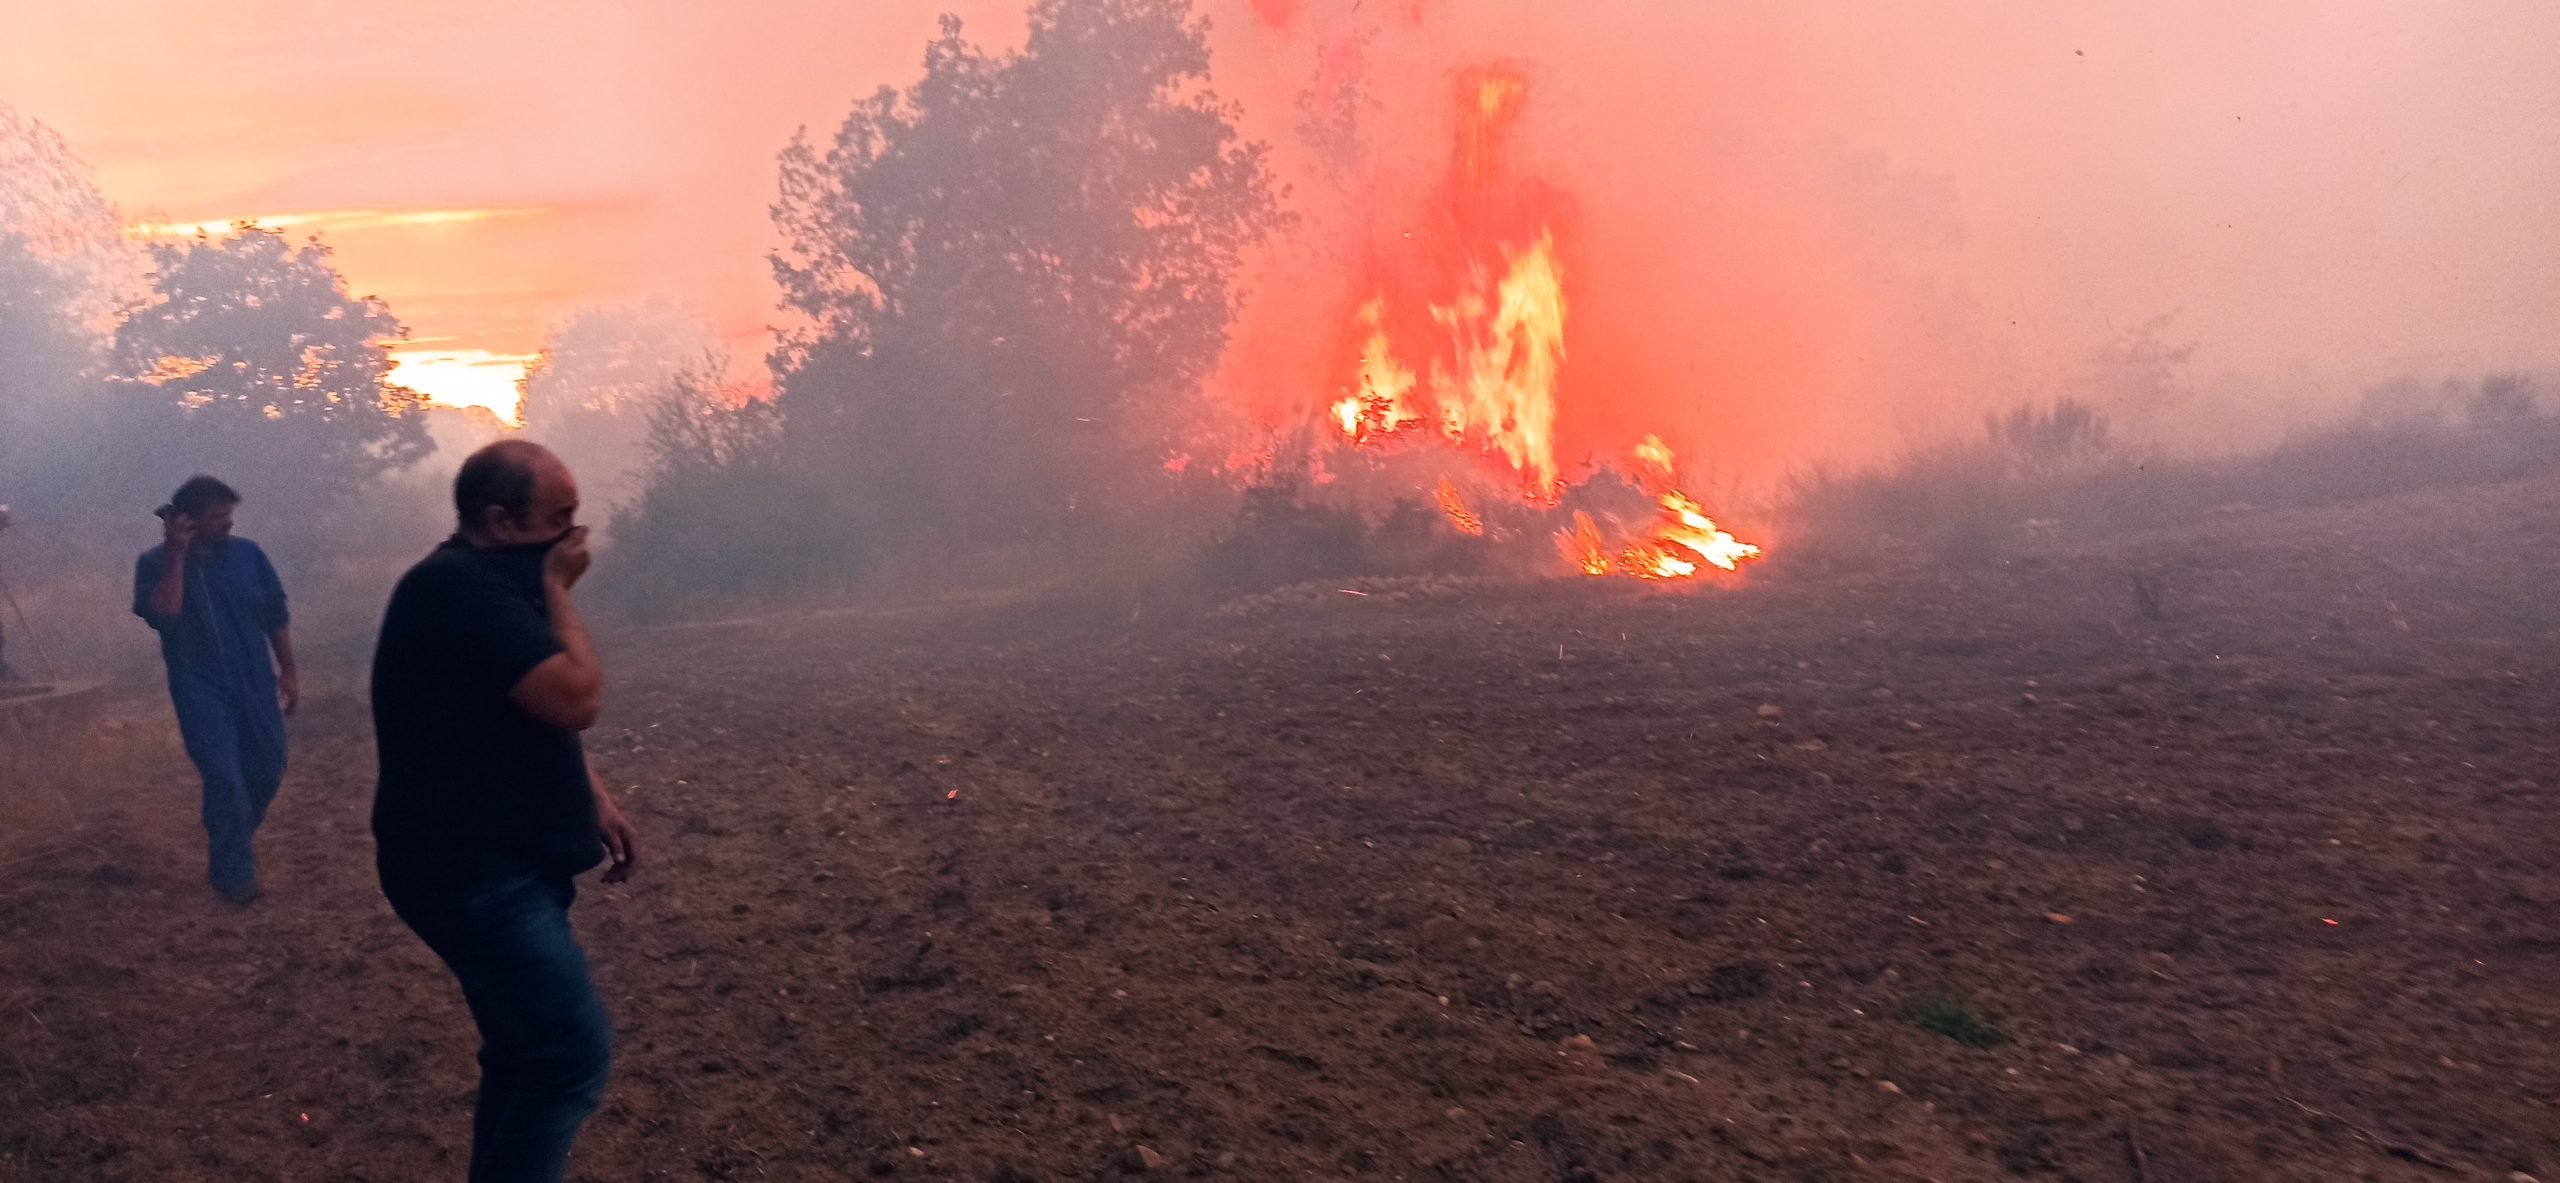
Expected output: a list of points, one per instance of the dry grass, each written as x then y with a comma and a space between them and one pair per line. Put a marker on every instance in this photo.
67, 774
2027, 478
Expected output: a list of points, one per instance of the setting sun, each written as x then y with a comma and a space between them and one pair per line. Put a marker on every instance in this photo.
463, 377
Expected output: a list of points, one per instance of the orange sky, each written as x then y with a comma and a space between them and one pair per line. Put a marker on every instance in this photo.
2324, 190
624, 149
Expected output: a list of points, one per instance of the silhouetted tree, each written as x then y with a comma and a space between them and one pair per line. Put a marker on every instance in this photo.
41, 353
49, 200
65, 272
1012, 272
696, 421
588, 395
2142, 374
262, 363
720, 514
1335, 109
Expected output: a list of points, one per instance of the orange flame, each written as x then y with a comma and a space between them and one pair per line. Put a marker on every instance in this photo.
1655, 455
1687, 536
1581, 546
1491, 277
1503, 386
1378, 407
1455, 507
1349, 414
1692, 530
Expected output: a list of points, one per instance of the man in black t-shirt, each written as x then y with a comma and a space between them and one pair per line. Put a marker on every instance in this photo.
486, 810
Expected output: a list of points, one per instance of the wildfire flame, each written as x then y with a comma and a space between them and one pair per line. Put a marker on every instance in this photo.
1685, 525
1455, 507
1581, 546
1379, 406
1495, 361
1350, 415
1492, 341
1692, 530
1682, 540
1503, 385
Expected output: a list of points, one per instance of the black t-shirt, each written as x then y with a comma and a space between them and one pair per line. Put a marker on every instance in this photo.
472, 786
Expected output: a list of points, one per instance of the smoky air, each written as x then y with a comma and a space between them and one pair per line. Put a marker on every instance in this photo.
1279, 589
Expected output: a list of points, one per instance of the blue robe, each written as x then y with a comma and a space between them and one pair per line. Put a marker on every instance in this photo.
222, 680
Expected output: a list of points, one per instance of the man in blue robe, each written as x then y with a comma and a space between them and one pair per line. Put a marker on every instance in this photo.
219, 608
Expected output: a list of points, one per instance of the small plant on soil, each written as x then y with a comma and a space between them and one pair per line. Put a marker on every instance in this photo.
1957, 1022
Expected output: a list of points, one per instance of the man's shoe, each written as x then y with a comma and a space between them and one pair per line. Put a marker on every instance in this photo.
240, 895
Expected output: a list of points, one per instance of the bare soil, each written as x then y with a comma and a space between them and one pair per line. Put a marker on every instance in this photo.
1873, 871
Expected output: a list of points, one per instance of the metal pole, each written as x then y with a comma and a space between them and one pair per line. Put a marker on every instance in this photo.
51, 671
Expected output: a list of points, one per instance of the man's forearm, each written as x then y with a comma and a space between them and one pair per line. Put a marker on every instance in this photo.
169, 596
574, 643
282, 639
571, 629
566, 691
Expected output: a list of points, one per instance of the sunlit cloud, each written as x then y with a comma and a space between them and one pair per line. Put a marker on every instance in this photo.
463, 377
334, 220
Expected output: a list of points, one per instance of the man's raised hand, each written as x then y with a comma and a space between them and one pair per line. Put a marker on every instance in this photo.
568, 559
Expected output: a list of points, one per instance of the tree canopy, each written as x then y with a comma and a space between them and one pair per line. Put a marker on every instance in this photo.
253, 343
65, 274
1008, 274
589, 394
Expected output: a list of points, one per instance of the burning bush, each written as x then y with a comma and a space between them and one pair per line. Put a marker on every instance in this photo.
1452, 390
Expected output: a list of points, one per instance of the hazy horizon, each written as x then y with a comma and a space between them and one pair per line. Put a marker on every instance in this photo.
1798, 233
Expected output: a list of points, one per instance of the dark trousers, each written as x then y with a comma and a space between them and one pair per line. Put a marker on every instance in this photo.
545, 1043
238, 748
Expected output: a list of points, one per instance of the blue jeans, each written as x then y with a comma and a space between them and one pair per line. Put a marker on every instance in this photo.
545, 1043
238, 749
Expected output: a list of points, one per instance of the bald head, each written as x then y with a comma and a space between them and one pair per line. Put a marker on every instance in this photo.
514, 491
